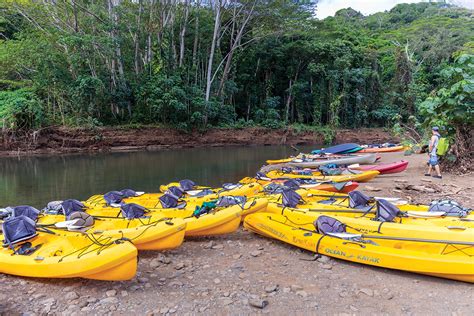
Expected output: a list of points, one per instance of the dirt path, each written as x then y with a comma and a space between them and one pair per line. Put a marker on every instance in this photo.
230, 274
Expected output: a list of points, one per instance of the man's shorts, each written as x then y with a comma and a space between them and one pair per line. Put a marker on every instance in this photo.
433, 160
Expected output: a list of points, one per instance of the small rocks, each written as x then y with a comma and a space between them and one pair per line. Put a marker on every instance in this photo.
326, 266
155, 263
109, 300
164, 310
49, 301
143, 280
217, 281
164, 259
176, 283
237, 256
111, 293
255, 253
353, 308
286, 290
180, 266
366, 291
70, 296
227, 301
323, 259
217, 247
370, 188
296, 287
124, 293
258, 303
271, 288
302, 294
209, 245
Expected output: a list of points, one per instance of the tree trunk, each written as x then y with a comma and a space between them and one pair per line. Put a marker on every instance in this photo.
211, 54
183, 33
288, 102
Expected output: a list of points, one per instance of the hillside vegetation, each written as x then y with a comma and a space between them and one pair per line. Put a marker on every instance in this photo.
224, 63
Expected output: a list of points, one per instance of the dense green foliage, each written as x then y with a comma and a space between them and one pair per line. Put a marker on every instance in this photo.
189, 64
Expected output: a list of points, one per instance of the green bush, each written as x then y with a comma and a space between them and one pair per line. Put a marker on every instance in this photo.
20, 109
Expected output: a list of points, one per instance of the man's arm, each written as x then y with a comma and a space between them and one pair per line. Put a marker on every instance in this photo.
432, 140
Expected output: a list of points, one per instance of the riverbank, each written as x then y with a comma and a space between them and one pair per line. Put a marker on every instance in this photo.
59, 140
233, 273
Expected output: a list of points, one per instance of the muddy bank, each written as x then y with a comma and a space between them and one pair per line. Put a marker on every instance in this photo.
66, 140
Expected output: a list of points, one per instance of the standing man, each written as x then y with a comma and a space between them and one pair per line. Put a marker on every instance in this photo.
433, 147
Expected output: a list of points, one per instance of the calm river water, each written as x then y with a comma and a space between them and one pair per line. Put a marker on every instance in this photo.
38, 180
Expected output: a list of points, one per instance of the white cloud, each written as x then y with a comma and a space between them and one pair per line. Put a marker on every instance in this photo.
327, 8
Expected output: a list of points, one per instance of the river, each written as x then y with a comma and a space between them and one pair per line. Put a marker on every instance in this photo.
38, 180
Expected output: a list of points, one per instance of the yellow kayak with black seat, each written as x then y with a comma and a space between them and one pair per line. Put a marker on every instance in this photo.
366, 225
357, 177
73, 218
332, 237
382, 210
186, 192
204, 219
32, 251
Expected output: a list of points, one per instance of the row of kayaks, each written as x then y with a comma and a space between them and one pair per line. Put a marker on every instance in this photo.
341, 155
100, 238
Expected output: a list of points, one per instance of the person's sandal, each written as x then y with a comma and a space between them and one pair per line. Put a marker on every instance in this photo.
438, 177
427, 175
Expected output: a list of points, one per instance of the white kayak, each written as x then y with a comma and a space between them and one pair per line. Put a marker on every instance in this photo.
341, 160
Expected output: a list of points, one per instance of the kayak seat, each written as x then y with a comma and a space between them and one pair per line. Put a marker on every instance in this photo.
18, 229
187, 184
229, 200
386, 211
358, 200
83, 220
71, 206
449, 207
25, 210
291, 198
176, 191
326, 225
113, 197
132, 211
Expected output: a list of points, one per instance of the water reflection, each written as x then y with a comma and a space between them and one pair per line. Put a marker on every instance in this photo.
37, 180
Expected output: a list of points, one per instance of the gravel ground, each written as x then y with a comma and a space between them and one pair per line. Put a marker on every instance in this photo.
243, 273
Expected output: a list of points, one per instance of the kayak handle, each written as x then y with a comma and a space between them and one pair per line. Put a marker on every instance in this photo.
457, 227
355, 243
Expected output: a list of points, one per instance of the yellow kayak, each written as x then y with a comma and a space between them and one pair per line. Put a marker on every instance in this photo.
145, 233
195, 196
413, 218
359, 177
278, 161
417, 213
217, 222
366, 225
48, 255
445, 259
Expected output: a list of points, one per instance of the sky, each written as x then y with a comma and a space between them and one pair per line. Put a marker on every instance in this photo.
327, 8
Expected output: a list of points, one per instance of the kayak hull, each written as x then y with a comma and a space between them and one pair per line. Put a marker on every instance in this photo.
345, 160
423, 258
382, 149
60, 256
358, 177
394, 167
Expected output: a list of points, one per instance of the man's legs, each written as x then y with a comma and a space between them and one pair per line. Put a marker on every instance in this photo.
438, 171
429, 170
